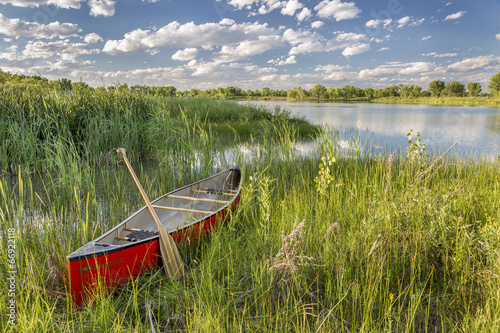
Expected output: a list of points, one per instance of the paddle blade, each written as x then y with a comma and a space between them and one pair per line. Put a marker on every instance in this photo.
168, 257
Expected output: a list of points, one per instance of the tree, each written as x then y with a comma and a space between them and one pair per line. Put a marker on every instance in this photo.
494, 84
65, 84
436, 87
454, 89
266, 91
474, 89
369, 92
318, 91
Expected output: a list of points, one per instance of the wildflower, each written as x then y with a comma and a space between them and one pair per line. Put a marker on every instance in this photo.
391, 297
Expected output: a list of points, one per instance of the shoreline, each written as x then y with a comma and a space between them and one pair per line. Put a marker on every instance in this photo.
455, 101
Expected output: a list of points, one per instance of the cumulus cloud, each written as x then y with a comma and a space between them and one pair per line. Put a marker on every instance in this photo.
475, 64
19, 28
409, 21
101, 7
337, 10
281, 61
176, 35
92, 38
246, 49
498, 36
291, 7
376, 23
403, 21
304, 14
63, 48
240, 4
319, 24
75, 4
304, 41
357, 49
186, 54
399, 68
455, 16
437, 55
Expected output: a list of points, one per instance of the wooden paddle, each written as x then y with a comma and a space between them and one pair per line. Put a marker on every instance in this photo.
172, 262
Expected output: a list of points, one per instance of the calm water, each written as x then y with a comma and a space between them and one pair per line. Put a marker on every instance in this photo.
387, 124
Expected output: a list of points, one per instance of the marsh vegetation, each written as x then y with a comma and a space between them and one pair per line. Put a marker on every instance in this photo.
335, 241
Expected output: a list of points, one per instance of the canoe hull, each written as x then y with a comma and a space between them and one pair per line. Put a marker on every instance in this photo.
101, 273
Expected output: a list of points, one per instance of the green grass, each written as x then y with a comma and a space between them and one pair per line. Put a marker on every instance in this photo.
404, 256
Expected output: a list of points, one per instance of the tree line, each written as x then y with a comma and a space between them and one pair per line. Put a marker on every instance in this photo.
437, 88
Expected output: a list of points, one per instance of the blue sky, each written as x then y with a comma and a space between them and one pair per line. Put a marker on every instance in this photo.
252, 43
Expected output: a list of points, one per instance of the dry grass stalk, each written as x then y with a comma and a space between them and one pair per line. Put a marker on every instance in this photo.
429, 169
390, 161
375, 245
329, 231
287, 260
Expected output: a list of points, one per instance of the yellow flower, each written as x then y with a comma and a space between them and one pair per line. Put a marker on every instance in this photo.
391, 297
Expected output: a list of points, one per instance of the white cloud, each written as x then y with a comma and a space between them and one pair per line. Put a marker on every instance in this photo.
376, 23
403, 21
281, 61
247, 49
240, 4
394, 70
357, 49
335, 72
416, 22
19, 28
319, 24
186, 54
291, 7
448, 4
436, 55
176, 35
383, 49
455, 16
92, 38
309, 42
475, 64
75, 4
337, 10
304, 14
101, 7
409, 21
63, 48
498, 36
426, 38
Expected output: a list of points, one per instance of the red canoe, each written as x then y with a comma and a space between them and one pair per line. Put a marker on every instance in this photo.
131, 248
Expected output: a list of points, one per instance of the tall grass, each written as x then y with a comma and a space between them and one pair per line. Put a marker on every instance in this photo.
383, 247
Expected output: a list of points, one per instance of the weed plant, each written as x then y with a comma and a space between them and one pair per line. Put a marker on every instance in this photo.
348, 243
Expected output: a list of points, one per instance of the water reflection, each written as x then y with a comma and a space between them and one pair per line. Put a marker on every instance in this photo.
388, 124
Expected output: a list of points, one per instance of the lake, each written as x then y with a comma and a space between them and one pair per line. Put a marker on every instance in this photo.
386, 125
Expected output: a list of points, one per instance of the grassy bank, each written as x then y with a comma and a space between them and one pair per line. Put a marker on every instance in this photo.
452, 101
386, 245
37, 125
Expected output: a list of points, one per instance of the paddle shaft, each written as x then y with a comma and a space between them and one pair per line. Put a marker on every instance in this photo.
174, 264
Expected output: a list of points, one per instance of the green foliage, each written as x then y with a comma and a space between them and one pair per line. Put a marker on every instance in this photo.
494, 84
416, 152
474, 89
454, 89
436, 87
318, 91
324, 178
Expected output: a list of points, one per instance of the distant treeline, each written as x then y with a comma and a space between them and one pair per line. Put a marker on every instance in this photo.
436, 88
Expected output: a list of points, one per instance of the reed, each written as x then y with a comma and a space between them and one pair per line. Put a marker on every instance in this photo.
372, 254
